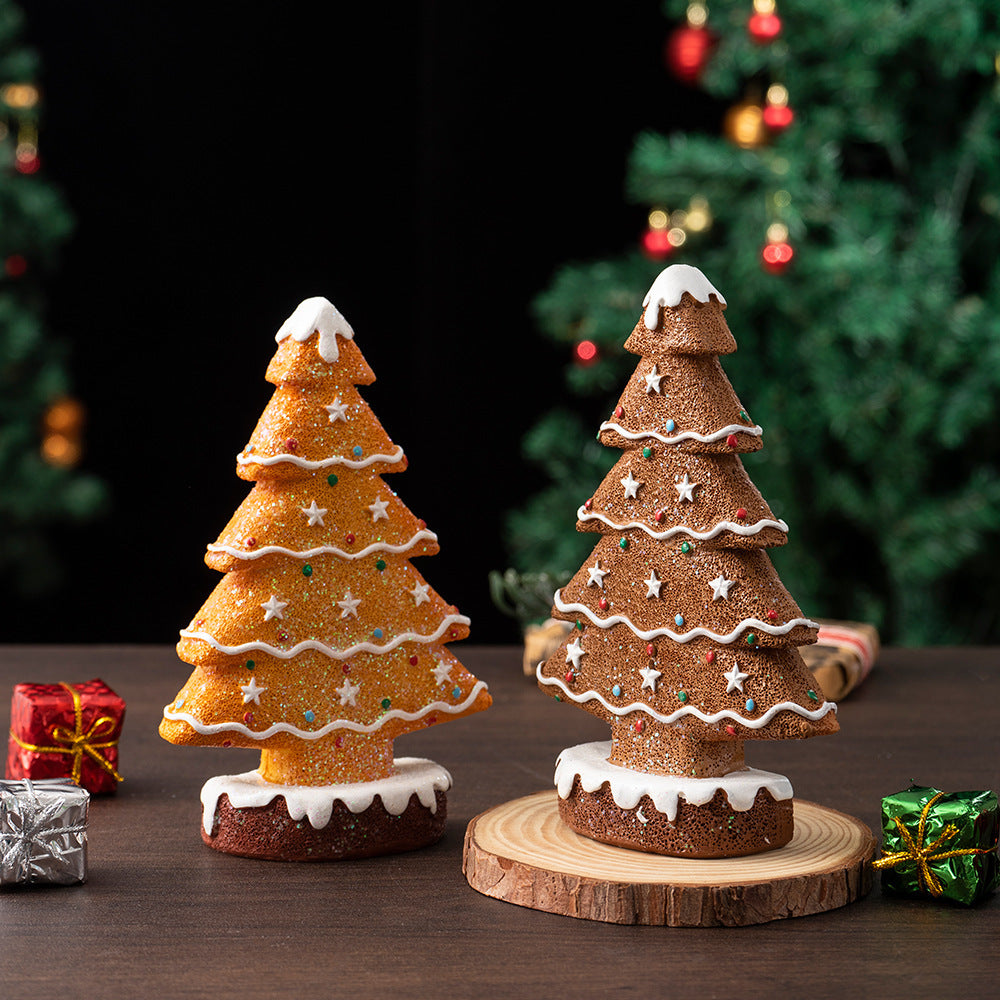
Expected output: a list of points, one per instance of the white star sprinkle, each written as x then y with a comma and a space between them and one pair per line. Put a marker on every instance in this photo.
315, 514
720, 587
420, 593
273, 608
442, 673
378, 510
349, 605
735, 679
337, 410
649, 678
597, 575
252, 691
574, 651
631, 485
653, 381
685, 489
653, 584
348, 692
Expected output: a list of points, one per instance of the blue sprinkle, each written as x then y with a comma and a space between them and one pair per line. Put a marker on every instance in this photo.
457, 693
357, 449
377, 633
679, 619
616, 691
310, 715
670, 425
750, 704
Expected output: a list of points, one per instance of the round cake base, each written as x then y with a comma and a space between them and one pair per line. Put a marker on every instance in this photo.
523, 853
269, 832
712, 830
246, 815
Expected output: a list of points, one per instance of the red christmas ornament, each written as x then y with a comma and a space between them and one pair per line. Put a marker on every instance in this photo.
741, 514
656, 243
777, 117
764, 28
777, 256
585, 353
687, 51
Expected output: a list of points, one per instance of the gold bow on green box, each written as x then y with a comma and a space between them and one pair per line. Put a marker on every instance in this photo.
942, 845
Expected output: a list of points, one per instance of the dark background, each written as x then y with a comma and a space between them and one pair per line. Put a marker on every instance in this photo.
425, 166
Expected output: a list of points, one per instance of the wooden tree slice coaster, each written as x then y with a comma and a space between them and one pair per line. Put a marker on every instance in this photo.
523, 853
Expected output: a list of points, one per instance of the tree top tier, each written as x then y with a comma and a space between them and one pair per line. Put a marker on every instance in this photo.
682, 314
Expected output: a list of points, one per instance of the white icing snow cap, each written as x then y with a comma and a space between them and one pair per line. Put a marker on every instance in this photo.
317, 315
670, 284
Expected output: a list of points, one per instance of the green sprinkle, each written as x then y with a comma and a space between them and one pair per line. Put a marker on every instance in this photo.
685, 547
623, 544
812, 694
250, 664
558, 697
646, 452
751, 639
682, 696
332, 479
743, 416
579, 624
386, 702
380, 565
307, 570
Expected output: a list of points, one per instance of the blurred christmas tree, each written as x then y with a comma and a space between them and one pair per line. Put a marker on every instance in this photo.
40, 424
850, 193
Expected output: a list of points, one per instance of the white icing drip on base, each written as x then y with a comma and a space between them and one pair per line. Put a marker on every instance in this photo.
304, 463
335, 654
637, 706
214, 728
695, 633
250, 790
590, 762
670, 284
745, 530
719, 435
314, 315
332, 550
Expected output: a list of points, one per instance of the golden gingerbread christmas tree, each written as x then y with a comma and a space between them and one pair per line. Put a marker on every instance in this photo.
322, 643
684, 638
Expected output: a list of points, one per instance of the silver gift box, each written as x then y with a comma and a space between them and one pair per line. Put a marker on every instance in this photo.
43, 832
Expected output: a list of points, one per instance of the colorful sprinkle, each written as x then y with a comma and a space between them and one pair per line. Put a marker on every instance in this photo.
732, 441
731, 729
250, 542
710, 656
248, 717
349, 538
332, 479
639, 726
603, 604
647, 452
771, 615
570, 677
413, 661
678, 620
658, 516
386, 702
685, 547
751, 639
670, 426
750, 704
682, 696
579, 624
741, 514
380, 565
623, 544
812, 694
650, 650
744, 417
378, 633
309, 715
619, 411
307, 570
456, 692
292, 445
357, 449
616, 691
587, 504
250, 664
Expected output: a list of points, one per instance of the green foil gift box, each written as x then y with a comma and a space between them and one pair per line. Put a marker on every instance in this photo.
942, 845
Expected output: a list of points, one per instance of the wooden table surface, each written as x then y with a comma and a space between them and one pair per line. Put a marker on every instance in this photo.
162, 915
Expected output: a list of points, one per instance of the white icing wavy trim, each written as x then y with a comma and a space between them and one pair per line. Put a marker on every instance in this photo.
723, 432
324, 463
334, 654
590, 762
414, 775
746, 530
321, 550
754, 623
637, 706
214, 728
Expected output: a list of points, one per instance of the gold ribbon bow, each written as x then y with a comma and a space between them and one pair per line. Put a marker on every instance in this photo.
923, 854
77, 742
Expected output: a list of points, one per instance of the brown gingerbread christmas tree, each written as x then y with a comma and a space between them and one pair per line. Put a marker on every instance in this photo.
684, 638
322, 643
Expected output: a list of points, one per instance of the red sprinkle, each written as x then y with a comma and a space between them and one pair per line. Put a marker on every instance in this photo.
413, 661
638, 725
248, 717
603, 604
349, 538
250, 542
618, 411
732, 441
650, 650
710, 656
339, 741
227, 743
772, 615
292, 445
587, 504
569, 677
741, 514
346, 667
658, 516
430, 720
731, 730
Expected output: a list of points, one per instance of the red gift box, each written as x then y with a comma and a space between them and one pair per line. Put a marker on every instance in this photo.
66, 731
